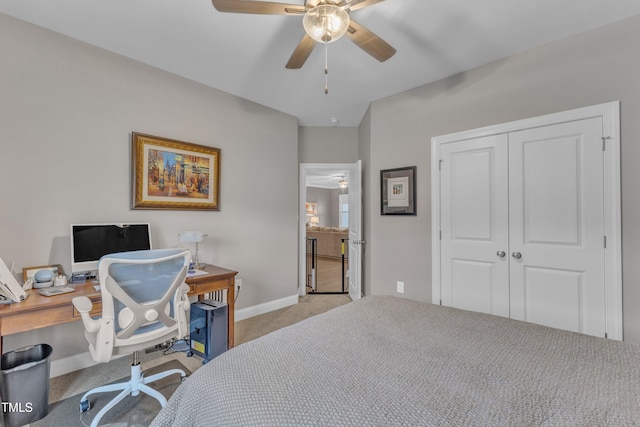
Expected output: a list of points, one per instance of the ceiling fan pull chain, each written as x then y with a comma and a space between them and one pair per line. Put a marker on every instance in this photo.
326, 68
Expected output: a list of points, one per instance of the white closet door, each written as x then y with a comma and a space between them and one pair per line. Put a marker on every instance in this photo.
556, 226
474, 225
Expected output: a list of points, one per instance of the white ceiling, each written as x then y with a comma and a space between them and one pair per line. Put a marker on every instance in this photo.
245, 54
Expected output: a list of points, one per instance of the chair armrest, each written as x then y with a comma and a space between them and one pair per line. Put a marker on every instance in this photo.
181, 306
101, 345
84, 306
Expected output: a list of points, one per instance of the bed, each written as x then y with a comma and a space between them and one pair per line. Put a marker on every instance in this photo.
392, 361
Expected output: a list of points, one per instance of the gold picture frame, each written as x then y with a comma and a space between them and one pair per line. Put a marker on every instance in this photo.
29, 272
171, 174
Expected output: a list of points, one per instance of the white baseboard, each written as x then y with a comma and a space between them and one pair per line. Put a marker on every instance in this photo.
265, 307
84, 360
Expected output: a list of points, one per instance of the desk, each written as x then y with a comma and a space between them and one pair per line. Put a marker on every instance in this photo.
38, 311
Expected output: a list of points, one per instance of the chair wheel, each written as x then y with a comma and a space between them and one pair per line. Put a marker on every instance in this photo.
85, 406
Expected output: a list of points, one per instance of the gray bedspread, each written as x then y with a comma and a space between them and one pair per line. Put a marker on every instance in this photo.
391, 361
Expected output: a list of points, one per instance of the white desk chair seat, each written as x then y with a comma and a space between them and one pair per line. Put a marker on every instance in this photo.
144, 303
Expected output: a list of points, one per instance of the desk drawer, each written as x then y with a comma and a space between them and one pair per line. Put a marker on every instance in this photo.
46, 316
210, 286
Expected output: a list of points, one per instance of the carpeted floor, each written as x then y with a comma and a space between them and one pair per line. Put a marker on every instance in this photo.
76, 383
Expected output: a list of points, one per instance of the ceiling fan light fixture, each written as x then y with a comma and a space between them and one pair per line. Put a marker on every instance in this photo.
326, 23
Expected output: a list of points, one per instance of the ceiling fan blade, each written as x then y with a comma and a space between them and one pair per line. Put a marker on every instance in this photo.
359, 4
258, 7
369, 42
301, 53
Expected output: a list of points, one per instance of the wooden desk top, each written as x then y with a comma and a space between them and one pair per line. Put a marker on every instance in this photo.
35, 301
211, 270
39, 302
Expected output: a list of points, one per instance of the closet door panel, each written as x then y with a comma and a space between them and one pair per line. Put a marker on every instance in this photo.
564, 310
551, 164
556, 226
474, 225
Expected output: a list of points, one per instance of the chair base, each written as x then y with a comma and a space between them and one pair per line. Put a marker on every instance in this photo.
136, 384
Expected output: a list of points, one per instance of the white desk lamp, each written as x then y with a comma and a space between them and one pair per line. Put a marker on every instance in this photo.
193, 237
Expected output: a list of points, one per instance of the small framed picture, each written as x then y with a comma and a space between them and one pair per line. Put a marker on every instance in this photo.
311, 208
398, 191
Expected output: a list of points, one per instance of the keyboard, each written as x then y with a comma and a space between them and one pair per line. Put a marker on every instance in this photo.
55, 290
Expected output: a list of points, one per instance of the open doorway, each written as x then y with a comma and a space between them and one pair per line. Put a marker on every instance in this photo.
345, 207
326, 231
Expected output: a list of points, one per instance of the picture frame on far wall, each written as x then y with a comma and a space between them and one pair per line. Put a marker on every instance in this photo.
398, 191
311, 208
171, 174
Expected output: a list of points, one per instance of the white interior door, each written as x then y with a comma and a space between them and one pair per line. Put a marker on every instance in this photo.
475, 225
355, 230
557, 226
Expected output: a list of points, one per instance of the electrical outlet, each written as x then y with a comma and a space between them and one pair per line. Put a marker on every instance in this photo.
400, 287
238, 283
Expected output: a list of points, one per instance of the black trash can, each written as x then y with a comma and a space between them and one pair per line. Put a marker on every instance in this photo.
25, 384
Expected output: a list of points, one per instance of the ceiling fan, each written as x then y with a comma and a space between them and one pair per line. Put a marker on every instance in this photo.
325, 21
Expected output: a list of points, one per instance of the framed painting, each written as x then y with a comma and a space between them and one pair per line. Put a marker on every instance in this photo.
311, 208
170, 174
398, 191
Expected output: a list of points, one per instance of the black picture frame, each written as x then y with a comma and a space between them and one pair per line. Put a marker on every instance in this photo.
398, 191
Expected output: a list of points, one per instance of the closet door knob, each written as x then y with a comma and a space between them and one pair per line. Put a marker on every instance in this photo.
516, 255
501, 254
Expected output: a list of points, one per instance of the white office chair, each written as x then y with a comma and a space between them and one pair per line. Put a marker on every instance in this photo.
144, 303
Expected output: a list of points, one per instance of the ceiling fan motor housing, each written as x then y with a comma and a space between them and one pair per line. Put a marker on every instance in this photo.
326, 23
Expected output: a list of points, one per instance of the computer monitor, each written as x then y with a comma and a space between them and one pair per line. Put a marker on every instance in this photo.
89, 242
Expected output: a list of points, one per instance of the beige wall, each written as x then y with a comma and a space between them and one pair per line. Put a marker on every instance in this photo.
67, 110
595, 67
328, 144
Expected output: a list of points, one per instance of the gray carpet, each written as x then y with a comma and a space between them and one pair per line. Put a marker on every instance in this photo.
132, 411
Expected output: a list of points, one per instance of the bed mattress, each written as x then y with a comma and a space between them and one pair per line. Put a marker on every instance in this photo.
392, 361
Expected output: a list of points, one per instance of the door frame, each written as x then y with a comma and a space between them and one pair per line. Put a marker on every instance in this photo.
302, 197
610, 114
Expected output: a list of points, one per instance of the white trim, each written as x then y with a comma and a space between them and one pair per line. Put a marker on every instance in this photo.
610, 114
613, 222
436, 295
608, 110
265, 307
